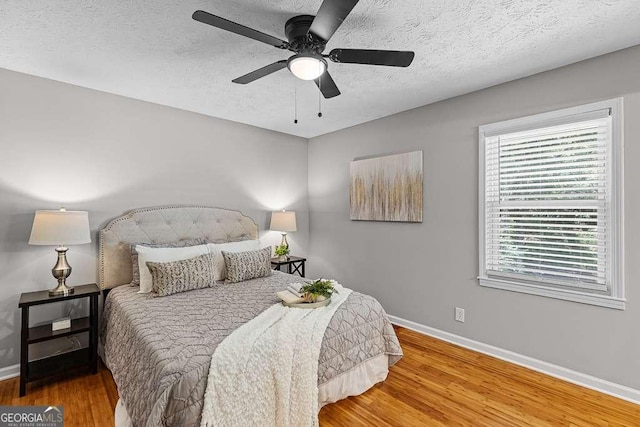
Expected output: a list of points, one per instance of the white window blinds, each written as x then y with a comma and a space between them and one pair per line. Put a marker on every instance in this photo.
547, 203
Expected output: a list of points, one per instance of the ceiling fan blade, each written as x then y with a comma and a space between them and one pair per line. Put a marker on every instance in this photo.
327, 86
225, 24
261, 72
392, 58
330, 17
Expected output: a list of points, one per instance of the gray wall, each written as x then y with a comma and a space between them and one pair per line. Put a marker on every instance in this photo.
64, 145
421, 271
88, 150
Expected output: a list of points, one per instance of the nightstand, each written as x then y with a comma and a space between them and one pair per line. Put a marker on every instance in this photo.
294, 265
59, 365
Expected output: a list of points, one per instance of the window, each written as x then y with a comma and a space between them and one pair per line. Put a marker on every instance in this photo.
551, 204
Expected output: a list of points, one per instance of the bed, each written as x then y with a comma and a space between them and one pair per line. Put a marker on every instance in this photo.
159, 349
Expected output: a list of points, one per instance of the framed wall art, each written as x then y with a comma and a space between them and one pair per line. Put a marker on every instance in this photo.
387, 188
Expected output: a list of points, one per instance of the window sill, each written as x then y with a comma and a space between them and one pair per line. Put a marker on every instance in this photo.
562, 294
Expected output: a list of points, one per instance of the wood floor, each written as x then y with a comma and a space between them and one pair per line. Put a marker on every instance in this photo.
436, 383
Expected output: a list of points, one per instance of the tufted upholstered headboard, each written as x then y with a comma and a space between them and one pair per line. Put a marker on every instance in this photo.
160, 225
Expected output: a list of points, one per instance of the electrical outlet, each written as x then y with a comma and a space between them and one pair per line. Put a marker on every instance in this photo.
459, 314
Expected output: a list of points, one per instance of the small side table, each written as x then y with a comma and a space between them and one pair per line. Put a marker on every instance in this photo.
59, 365
294, 265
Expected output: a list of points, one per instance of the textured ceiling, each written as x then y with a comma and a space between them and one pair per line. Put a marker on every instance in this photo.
154, 51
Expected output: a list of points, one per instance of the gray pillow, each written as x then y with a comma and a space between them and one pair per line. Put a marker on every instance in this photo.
247, 265
135, 281
181, 276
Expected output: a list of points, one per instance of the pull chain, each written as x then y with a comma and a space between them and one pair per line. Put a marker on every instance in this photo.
320, 91
295, 101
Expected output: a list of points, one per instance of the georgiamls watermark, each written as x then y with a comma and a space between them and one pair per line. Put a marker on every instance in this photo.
31, 416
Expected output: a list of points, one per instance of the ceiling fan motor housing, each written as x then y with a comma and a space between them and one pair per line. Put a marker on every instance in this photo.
297, 31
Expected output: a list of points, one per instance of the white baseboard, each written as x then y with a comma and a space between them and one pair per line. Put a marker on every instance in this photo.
588, 381
9, 372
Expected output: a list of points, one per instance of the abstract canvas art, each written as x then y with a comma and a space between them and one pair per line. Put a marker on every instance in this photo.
387, 188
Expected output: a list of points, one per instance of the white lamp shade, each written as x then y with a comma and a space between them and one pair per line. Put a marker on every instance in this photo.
283, 221
61, 227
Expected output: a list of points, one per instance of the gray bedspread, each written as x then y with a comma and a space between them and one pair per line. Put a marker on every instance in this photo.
159, 349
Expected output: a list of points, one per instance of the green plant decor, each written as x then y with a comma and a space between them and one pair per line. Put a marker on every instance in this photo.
318, 288
282, 250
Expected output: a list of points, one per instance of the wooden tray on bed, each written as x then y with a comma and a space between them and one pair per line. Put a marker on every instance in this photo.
308, 304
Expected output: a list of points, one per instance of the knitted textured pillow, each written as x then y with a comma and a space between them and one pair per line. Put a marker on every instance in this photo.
181, 276
247, 265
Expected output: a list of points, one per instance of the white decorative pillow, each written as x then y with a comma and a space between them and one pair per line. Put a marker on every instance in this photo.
147, 254
248, 265
216, 249
135, 280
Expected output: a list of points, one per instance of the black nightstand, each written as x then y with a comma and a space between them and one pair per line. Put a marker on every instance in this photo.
84, 358
294, 265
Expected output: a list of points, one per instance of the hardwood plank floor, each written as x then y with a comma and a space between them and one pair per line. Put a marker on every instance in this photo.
436, 383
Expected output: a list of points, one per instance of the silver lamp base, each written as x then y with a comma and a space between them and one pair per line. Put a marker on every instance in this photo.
284, 240
284, 243
61, 271
61, 289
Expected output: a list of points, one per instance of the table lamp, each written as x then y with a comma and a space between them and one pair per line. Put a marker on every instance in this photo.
60, 228
283, 221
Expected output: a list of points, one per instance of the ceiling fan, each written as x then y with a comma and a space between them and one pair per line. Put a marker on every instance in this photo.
307, 37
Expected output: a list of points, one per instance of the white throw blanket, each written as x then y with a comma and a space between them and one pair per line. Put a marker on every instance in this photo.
266, 372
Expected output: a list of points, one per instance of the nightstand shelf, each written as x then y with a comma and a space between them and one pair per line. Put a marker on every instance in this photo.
44, 332
61, 364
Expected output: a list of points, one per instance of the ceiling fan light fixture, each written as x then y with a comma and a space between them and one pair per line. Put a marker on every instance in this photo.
307, 66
